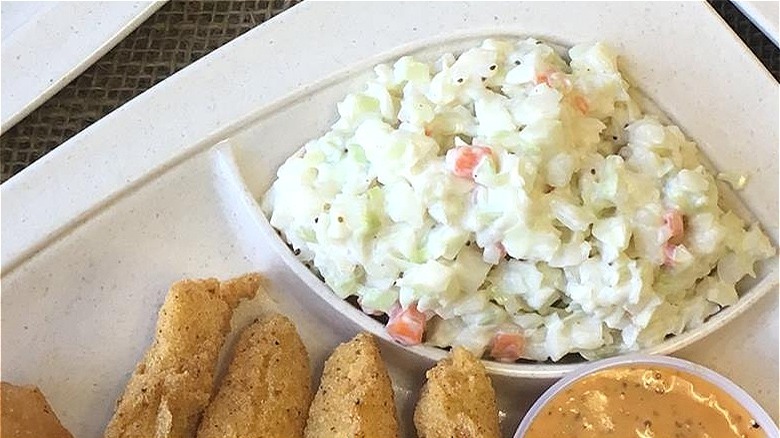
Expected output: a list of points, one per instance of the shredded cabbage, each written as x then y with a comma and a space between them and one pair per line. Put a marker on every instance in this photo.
517, 189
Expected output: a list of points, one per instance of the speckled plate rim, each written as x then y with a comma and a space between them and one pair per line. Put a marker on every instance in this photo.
55, 44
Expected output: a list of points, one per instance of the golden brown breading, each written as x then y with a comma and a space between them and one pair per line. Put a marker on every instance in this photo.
27, 414
267, 389
170, 387
458, 400
355, 398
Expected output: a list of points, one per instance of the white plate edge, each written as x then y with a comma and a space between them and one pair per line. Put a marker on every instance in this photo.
114, 33
756, 12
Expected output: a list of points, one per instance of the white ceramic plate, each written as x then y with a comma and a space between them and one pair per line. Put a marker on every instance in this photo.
163, 188
45, 45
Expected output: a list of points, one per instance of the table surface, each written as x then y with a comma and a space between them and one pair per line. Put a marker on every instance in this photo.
175, 36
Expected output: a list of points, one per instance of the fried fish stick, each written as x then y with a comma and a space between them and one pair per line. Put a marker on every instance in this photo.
171, 386
458, 400
267, 389
355, 398
27, 414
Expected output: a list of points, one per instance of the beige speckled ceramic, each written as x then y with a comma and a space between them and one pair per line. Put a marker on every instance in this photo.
45, 45
164, 188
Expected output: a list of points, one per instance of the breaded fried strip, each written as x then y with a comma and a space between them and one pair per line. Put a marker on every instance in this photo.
267, 389
27, 414
172, 384
355, 398
458, 400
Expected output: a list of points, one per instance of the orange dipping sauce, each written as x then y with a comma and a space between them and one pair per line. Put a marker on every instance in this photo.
643, 402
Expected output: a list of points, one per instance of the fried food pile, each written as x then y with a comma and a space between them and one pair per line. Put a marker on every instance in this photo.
172, 384
266, 391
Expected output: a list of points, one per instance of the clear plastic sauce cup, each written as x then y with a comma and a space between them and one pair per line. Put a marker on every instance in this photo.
634, 361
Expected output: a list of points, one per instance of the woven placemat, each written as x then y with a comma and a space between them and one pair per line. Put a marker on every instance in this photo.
177, 35
173, 37
759, 44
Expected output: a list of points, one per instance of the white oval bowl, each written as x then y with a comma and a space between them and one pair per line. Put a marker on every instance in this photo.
428, 50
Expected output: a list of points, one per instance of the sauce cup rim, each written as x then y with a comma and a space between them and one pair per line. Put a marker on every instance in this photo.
633, 360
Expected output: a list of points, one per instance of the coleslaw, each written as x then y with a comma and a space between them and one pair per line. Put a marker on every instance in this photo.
514, 203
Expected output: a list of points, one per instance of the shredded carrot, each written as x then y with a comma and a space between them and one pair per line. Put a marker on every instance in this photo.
507, 346
559, 80
673, 221
407, 326
462, 160
542, 78
581, 104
